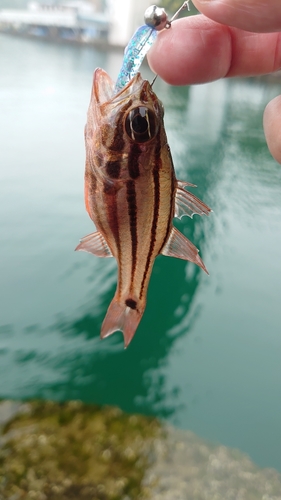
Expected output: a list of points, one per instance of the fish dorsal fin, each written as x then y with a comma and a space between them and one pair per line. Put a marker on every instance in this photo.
188, 204
180, 247
94, 243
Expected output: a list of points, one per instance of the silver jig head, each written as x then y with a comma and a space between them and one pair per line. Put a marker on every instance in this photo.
157, 18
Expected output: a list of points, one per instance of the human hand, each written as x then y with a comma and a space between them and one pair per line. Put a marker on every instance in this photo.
238, 38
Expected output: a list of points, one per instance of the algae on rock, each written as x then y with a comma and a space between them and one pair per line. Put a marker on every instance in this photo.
74, 451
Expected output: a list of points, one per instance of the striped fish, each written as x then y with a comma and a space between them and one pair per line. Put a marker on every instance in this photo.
132, 194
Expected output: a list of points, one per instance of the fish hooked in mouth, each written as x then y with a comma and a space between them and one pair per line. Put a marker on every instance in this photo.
132, 194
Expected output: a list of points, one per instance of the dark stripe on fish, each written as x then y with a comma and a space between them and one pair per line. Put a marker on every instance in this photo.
156, 180
112, 217
109, 187
113, 169
132, 209
133, 161
118, 142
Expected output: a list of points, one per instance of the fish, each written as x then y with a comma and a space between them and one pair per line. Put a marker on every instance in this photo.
132, 194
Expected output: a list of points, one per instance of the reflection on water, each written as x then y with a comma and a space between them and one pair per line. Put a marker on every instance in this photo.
206, 355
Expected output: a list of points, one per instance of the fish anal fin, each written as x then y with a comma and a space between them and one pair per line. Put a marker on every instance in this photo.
122, 317
180, 247
94, 243
187, 203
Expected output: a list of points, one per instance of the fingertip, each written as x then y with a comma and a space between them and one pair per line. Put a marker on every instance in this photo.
272, 127
248, 15
194, 50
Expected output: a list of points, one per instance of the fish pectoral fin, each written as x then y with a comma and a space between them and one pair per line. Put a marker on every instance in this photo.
121, 316
180, 247
94, 243
187, 203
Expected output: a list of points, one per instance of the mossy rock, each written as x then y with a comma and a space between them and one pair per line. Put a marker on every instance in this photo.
74, 451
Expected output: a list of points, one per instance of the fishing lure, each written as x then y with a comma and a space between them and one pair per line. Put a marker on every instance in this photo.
156, 19
131, 191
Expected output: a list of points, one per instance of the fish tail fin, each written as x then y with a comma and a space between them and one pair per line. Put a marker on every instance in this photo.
123, 315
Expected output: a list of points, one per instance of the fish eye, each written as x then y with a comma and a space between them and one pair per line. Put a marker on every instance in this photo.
140, 124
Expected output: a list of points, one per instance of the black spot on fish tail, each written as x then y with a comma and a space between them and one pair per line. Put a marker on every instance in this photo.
131, 303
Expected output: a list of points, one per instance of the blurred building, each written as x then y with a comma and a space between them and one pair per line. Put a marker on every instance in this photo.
109, 22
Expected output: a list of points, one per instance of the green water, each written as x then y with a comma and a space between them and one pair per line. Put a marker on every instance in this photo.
207, 354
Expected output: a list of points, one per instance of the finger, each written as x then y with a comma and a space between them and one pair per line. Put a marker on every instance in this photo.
272, 127
196, 50
250, 15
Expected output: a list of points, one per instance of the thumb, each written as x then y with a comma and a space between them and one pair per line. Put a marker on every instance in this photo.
272, 127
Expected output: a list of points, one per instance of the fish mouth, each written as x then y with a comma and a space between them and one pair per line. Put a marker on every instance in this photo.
136, 86
103, 89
